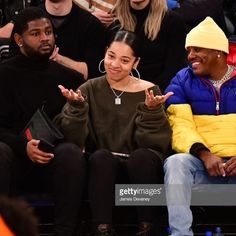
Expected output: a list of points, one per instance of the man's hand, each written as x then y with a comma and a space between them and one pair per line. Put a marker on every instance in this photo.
55, 54
230, 167
213, 163
36, 155
72, 64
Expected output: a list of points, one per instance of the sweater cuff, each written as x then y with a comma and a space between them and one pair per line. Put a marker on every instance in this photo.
196, 148
143, 107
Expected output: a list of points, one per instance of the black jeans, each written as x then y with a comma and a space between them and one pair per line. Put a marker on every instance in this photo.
65, 175
105, 170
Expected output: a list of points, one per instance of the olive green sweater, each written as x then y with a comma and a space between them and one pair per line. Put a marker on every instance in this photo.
99, 123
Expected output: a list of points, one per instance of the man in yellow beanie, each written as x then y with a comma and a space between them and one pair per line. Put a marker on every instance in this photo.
202, 114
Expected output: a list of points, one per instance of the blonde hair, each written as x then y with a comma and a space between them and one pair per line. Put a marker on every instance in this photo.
152, 25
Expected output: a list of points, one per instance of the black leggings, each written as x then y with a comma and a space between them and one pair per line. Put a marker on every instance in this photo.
105, 170
65, 175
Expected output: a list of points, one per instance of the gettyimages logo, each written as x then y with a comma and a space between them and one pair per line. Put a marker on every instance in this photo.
175, 194
139, 194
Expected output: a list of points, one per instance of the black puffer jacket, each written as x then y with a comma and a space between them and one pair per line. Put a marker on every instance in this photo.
230, 11
195, 11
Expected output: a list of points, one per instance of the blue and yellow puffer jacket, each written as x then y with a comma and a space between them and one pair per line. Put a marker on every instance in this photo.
199, 114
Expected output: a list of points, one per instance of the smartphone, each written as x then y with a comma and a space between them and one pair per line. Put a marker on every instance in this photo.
45, 146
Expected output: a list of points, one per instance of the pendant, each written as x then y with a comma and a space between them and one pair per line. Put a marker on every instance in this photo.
117, 101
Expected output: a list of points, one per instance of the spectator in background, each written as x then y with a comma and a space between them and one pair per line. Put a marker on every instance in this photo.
195, 11
202, 114
27, 81
100, 9
162, 33
131, 139
9, 9
230, 13
17, 218
80, 37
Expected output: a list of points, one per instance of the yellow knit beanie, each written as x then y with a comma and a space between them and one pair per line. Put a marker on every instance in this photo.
207, 34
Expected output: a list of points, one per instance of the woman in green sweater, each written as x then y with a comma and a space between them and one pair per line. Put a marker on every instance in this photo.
121, 121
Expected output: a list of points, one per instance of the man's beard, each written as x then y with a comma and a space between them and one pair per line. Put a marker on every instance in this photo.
36, 54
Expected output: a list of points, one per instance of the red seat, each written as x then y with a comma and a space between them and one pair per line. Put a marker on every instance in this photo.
231, 58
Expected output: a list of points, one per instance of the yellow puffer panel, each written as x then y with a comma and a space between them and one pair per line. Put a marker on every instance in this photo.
218, 133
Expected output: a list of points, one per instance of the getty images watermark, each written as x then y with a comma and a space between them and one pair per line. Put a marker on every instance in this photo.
139, 194
155, 195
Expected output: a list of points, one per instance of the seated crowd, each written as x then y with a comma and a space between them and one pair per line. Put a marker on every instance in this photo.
127, 83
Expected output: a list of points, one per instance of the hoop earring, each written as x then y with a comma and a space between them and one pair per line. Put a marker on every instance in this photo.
99, 67
137, 73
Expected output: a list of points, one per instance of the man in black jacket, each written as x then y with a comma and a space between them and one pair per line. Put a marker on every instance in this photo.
27, 81
80, 37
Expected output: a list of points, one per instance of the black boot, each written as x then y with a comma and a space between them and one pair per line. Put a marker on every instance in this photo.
145, 229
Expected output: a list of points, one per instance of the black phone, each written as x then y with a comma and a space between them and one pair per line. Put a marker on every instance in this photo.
46, 146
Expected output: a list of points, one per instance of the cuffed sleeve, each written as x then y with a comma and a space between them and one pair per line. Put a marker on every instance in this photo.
152, 128
73, 122
196, 148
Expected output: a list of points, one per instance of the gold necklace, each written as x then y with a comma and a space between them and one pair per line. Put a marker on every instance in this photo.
118, 97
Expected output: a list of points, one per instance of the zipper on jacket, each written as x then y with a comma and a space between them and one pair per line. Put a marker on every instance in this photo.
217, 102
217, 106
216, 95
218, 92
